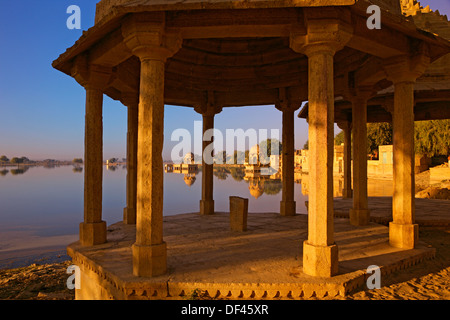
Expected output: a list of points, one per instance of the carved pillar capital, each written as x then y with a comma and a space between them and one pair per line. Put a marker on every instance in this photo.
405, 68
208, 107
285, 103
130, 99
146, 36
345, 125
89, 75
359, 93
322, 36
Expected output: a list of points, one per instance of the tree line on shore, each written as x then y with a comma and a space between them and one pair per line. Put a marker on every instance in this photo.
4, 160
431, 138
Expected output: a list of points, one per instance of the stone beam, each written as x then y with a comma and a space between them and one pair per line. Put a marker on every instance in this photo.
110, 51
234, 23
370, 73
383, 43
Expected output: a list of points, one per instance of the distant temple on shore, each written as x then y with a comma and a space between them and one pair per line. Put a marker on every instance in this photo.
188, 167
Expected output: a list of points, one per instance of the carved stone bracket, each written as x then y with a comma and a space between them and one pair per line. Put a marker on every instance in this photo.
406, 68
284, 102
208, 107
91, 75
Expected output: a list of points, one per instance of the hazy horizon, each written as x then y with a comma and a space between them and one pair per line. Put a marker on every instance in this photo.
42, 109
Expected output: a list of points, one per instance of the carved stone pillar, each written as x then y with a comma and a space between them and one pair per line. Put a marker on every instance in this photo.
287, 204
131, 100
94, 78
324, 37
208, 110
145, 35
360, 214
403, 72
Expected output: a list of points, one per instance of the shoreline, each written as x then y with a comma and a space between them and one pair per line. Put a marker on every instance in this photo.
13, 259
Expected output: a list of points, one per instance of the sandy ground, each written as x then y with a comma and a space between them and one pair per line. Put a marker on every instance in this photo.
426, 190
428, 280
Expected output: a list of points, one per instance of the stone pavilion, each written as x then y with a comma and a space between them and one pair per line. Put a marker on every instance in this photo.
212, 54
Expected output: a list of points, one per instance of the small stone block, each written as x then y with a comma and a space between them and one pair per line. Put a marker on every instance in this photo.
238, 213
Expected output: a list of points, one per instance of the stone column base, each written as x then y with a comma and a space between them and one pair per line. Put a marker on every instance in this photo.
92, 234
347, 193
320, 261
287, 208
149, 260
129, 215
206, 207
403, 235
359, 217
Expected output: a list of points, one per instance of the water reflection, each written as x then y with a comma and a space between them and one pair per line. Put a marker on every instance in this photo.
18, 171
22, 169
48, 203
77, 169
258, 184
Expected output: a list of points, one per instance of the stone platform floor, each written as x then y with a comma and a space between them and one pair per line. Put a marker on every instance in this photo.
264, 262
429, 212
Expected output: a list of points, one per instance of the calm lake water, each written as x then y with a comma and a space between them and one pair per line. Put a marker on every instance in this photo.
41, 208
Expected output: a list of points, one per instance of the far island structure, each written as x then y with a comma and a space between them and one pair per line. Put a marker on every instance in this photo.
209, 55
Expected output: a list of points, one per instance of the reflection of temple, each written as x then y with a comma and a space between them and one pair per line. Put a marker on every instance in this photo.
188, 168
260, 183
189, 179
256, 187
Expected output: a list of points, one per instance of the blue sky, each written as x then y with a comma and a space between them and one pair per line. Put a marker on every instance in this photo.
42, 110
